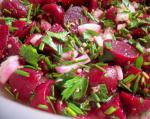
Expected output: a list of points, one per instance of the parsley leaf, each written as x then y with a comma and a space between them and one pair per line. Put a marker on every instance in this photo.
60, 35
75, 87
89, 34
139, 62
30, 54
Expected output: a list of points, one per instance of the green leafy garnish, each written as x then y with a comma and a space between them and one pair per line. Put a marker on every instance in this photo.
89, 34
139, 47
75, 87
22, 73
128, 79
139, 62
126, 2
43, 107
30, 55
110, 110
75, 108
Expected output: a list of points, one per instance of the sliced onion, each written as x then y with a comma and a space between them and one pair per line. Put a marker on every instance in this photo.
91, 26
108, 34
122, 17
35, 38
70, 54
98, 13
99, 40
120, 72
131, 8
67, 68
120, 26
8, 67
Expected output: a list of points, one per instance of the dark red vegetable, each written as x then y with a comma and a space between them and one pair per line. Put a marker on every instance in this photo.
74, 2
23, 85
56, 12
57, 28
41, 93
123, 52
14, 8
138, 33
134, 105
111, 13
92, 4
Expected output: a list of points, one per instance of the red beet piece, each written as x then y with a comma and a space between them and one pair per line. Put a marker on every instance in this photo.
122, 51
45, 25
108, 77
105, 3
132, 70
43, 1
4, 31
74, 2
92, 5
41, 93
111, 13
134, 105
13, 46
60, 106
115, 102
14, 8
94, 114
43, 65
57, 28
25, 86
138, 33
72, 16
20, 25
56, 12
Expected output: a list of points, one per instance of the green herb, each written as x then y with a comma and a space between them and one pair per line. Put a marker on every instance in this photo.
75, 87
30, 54
128, 79
108, 45
89, 34
50, 102
125, 87
139, 62
70, 112
75, 109
8, 90
110, 110
29, 13
124, 32
126, 2
139, 47
16, 96
108, 23
85, 105
136, 84
8, 20
42, 106
60, 49
22, 73
60, 35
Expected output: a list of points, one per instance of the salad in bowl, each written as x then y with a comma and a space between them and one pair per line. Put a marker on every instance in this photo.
83, 59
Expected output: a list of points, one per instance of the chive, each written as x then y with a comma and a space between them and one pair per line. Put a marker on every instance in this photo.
141, 100
85, 105
146, 63
75, 109
22, 73
8, 91
110, 110
95, 97
60, 49
139, 47
53, 90
136, 85
71, 112
41, 47
125, 87
42, 106
139, 62
7, 11
16, 96
128, 79
100, 68
29, 12
73, 61
50, 102
48, 62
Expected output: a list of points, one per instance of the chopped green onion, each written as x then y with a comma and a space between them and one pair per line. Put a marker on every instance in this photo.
136, 84
22, 73
71, 112
128, 79
139, 62
42, 106
110, 110
52, 106
139, 47
29, 13
75, 109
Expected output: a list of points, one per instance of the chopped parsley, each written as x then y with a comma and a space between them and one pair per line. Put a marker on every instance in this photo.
22, 73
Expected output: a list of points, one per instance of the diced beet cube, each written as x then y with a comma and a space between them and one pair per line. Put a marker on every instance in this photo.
134, 105
138, 33
14, 8
13, 46
105, 3
41, 93
74, 2
23, 85
4, 31
60, 106
72, 17
123, 52
20, 25
111, 13
115, 103
57, 28
92, 5
109, 77
132, 70
56, 12
45, 25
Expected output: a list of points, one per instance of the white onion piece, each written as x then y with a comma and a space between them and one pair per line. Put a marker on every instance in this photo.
122, 17
70, 54
131, 8
120, 26
99, 40
108, 34
91, 26
98, 13
120, 72
35, 38
8, 67
67, 68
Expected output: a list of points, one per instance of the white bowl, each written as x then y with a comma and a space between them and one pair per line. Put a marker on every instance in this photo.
10, 109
